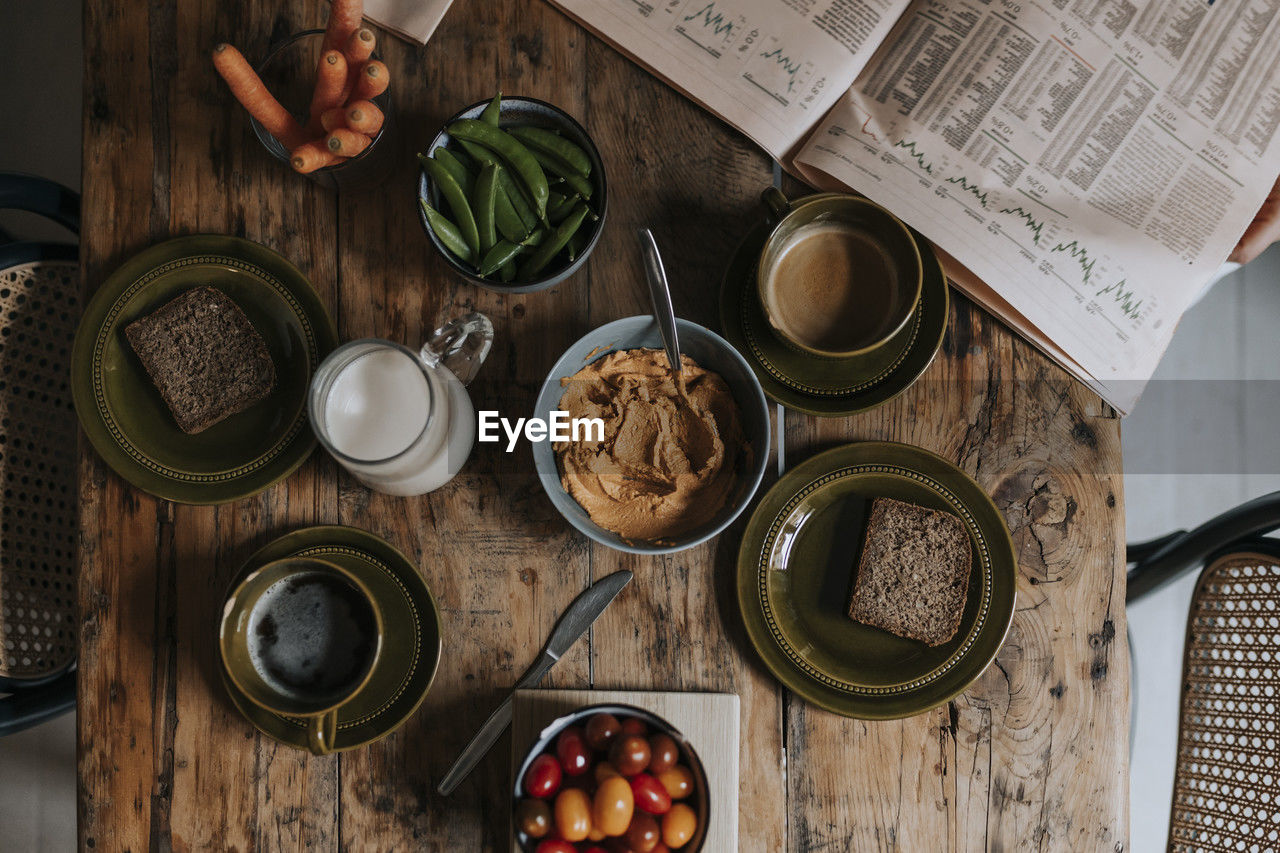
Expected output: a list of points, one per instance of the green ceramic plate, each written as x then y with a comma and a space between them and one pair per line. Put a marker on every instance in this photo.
128, 422
411, 642
826, 386
796, 569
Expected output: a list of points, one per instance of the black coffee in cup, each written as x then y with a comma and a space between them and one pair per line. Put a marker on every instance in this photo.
312, 637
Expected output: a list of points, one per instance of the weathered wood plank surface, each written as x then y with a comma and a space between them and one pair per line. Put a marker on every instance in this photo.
1032, 757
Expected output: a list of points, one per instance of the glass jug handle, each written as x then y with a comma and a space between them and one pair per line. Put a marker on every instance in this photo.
460, 345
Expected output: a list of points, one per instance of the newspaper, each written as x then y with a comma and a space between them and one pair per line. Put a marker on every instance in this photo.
1085, 166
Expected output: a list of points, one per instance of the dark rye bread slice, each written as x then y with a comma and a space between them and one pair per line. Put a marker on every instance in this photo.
913, 576
204, 356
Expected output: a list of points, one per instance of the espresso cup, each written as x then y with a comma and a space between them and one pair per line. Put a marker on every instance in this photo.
299, 638
839, 275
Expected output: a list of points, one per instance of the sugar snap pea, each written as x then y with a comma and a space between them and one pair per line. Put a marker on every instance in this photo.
503, 252
577, 243
457, 199
553, 244
492, 111
513, 153
560, 212
508, 221
484, 202
460, 172
572, 181
447, 232
484, 157
508, 272
554, 146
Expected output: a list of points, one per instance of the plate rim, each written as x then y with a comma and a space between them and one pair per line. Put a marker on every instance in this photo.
297, 444
861, 706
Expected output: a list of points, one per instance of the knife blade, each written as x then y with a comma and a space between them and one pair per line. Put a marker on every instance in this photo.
571, 625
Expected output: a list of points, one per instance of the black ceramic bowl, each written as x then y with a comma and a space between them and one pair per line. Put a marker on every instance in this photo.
522, 111
546, 744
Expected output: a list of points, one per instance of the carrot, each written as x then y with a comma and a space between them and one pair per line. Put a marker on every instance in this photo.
331, 80
348, 143
333, 119
344, 19
363, 116
372, 83
254, 97
359, 47
311, 156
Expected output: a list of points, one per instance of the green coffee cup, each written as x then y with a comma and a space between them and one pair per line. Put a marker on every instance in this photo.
300, 637
839, 276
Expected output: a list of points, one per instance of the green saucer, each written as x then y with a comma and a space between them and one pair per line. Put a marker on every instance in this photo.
128, 422
411, 639
830, 387
796, 569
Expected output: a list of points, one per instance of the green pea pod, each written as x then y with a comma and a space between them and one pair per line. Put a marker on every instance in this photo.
492, 111
502, 253
555, 146
552, 246
484, 157
536, 236
559, 213
454, 166
513, 154
571, 180
457, 199
508, 272
577, 243
484, 201
447, 232
509, 223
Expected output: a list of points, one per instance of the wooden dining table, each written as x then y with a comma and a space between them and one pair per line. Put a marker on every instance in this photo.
1034, 755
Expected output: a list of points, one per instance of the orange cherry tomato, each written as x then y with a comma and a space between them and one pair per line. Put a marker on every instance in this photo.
613, 806
573, 814
629, 754
678, 825
643, 834
649, 794
678, 781
534, 818
604, 770
664, 752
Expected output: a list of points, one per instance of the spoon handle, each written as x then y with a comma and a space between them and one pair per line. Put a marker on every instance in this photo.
660, 292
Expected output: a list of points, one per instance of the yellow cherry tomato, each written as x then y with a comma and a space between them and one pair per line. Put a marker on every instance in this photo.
678, 781
573, 814
678, 826
613, 806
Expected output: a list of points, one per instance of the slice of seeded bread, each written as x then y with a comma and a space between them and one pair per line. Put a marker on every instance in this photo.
913, 576
204, 356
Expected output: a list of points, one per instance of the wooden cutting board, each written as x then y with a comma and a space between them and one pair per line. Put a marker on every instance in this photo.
709, 721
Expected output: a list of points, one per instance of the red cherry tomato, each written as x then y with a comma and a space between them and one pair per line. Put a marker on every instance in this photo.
534, 818
649, 794
678, 781
555, 845
629, 754
643, 835
678, 825
634, 726
595, 848
665, 753
542, 779
601, 730
573, 814
571, 749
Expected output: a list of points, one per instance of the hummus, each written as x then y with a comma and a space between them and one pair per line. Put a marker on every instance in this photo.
669, 458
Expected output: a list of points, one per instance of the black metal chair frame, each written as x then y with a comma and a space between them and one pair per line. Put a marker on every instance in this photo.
34, 700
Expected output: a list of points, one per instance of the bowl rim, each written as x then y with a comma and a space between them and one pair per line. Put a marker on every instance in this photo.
547, 736
423, 184
550, 478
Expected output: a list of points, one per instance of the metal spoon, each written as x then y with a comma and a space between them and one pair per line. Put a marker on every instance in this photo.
660, 293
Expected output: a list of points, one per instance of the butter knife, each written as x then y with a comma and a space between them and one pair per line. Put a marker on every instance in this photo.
573, 623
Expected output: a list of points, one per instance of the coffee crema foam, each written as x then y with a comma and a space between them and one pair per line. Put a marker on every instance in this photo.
832, 287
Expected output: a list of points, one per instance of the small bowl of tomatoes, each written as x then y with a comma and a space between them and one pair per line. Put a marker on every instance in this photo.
610, 779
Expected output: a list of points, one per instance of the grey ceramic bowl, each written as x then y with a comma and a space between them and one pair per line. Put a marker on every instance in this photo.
529, 111
709, 350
